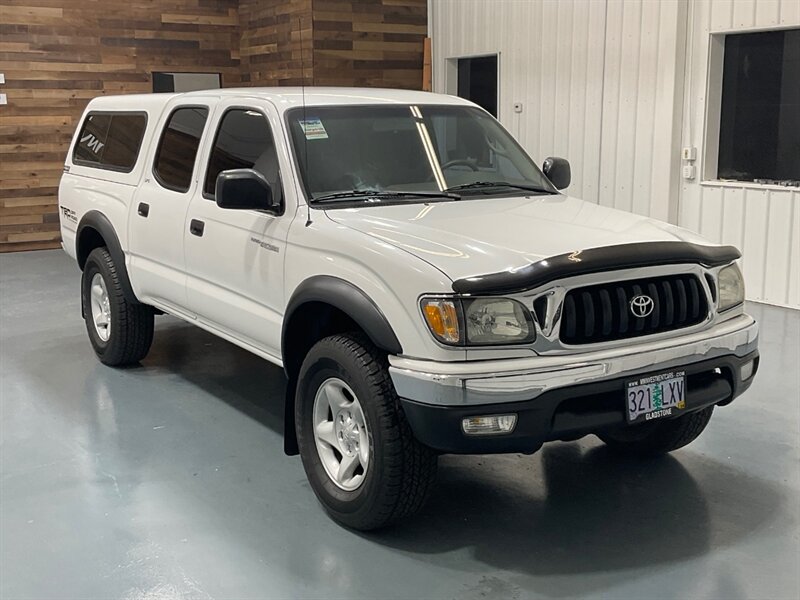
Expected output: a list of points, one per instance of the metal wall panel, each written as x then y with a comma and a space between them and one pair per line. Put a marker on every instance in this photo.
619, 87
550, 59
762, 221
586, 73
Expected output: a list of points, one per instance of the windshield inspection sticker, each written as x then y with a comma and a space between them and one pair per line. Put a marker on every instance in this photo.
313, 129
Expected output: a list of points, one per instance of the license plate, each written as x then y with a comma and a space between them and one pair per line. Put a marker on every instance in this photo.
655, 396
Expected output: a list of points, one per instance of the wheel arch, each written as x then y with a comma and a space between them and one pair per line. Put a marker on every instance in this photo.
95, 231
337, 297
319, 307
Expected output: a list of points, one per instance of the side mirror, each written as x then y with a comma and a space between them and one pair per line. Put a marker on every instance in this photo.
242, 189
557, 171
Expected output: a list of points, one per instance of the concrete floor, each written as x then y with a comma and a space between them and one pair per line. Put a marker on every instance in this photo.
169, 481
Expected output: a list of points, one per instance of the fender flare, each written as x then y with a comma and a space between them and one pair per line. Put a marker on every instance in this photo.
99, 222
352, 301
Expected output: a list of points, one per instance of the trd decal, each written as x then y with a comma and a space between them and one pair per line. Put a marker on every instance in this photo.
69, 214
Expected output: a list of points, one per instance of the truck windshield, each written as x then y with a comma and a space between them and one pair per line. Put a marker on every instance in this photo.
344, 151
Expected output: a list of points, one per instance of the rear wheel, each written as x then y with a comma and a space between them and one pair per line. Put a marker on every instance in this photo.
358, 451
120, 332
659, 437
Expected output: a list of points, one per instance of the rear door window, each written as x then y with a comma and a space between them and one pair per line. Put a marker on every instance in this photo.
177, 150
110, 140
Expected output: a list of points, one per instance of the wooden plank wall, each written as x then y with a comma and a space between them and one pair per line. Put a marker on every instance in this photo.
58, 54
372, 43
276, 42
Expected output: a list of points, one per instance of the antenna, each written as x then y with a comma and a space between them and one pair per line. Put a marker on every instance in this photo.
305, 120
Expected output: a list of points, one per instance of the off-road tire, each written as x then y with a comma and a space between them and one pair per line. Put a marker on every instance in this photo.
131, 330
401, 470
659, 437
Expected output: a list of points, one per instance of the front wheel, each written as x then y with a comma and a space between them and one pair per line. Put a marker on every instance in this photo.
659, 437
120, 332
358, 451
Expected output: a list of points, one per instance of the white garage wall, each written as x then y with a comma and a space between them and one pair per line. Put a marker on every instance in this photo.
642, 105
585, 72
762, 221
618, 88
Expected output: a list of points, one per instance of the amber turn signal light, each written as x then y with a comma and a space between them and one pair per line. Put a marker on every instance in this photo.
442, 319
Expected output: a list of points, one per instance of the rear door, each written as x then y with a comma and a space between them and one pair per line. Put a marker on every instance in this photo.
235, 258
158, 210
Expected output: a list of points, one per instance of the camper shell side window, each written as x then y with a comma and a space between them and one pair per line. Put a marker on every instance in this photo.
110, 140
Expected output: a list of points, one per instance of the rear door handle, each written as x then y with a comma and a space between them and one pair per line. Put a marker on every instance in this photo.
144, 209
196, 227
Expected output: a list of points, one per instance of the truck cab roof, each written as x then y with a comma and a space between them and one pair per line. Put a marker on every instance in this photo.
284, 98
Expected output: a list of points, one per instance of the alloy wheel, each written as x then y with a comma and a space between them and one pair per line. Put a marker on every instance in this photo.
340, 434
100, 307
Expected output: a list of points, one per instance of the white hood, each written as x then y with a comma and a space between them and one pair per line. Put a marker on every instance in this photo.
475, 237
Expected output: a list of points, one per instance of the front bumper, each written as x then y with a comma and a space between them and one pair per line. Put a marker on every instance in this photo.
566, 396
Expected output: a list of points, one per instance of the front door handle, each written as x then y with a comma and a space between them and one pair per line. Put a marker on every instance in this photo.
196, 227
144, 209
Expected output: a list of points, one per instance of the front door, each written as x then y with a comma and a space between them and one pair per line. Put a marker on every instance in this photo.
235, 258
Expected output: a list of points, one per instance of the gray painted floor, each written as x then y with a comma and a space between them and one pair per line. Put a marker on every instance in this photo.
169, 481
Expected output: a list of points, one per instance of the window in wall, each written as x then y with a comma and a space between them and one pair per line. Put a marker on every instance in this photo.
177, 150
243, 141
759, 133
477, 81
110, 140
186, 82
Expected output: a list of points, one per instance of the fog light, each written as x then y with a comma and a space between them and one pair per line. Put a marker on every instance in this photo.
489, 425
746, 371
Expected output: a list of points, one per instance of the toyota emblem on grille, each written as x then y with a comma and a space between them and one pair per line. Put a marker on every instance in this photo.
641, 306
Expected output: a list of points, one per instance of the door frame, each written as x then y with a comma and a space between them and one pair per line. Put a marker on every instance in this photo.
451, 74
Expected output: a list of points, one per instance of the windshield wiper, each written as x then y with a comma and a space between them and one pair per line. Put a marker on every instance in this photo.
384, 194
477, 185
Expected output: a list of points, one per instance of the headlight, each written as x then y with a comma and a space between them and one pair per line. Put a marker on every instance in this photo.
731, 287
497, 321
478, 321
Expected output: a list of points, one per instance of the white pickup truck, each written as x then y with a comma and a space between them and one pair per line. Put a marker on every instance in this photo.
426, 287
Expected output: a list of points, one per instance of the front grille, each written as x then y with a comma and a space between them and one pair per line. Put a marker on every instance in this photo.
602, 313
